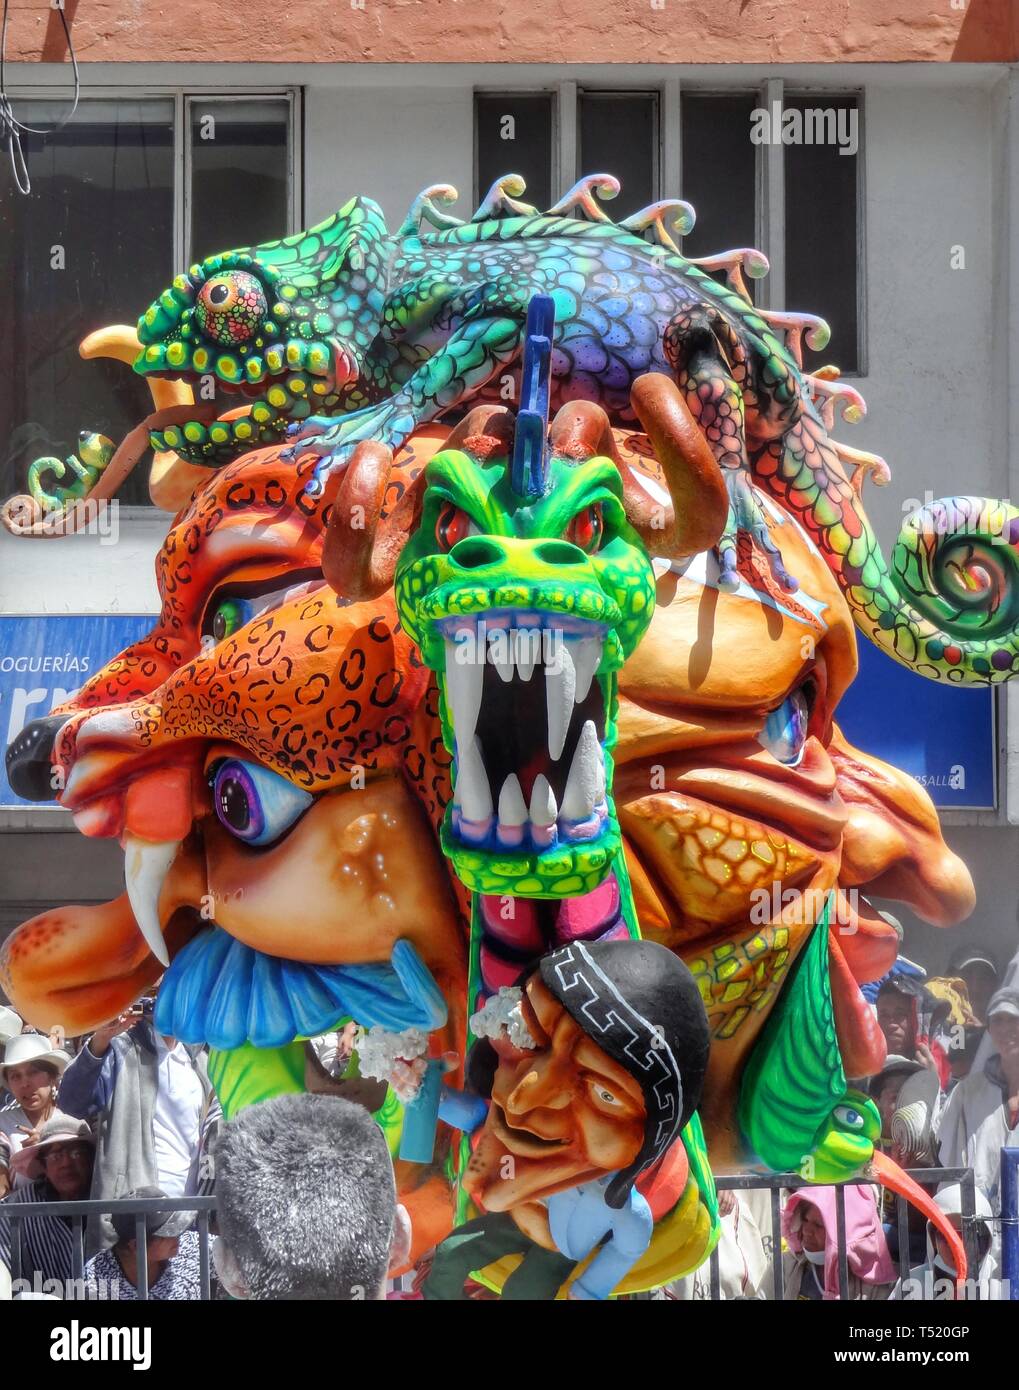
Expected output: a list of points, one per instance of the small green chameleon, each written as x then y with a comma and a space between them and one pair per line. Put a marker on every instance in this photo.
95, 452
797, 1111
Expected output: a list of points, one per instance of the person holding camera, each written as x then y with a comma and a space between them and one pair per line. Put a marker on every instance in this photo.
153, 1109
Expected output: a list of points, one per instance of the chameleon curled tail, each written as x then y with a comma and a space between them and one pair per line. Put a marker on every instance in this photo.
947, 605
94, 453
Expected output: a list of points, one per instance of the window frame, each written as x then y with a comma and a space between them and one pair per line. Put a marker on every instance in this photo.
769, 185
182, 96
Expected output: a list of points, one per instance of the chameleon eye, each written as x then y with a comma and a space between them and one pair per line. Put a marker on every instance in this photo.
230, 307
848, 1116
453, 525
587, 528
226, 617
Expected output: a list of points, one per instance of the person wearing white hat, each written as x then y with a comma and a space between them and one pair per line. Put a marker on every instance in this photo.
57, 1166
31, 1071
982, 1114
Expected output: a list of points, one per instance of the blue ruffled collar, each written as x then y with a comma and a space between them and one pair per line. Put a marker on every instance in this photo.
220, 992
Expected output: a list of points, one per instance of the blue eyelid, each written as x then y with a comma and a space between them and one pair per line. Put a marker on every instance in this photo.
273, 802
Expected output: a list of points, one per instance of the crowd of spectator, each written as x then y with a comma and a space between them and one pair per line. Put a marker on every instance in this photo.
131, 1113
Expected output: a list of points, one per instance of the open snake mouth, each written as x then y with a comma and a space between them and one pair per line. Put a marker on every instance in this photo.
528, 717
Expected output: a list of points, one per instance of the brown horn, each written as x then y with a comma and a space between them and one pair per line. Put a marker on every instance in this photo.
581, 430
699, 498
484, 430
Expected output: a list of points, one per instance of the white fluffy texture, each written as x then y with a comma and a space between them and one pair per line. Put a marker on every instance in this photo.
397, 1058
502, 1013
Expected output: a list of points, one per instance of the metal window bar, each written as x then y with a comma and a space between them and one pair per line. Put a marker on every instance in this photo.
776, 1183
18, 1213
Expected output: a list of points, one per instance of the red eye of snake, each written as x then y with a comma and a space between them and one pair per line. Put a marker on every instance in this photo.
587, 528
453, 525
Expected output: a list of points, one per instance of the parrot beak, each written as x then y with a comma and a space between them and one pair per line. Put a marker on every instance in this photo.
890, 1175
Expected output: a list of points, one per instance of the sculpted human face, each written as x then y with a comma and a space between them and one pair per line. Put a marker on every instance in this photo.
561, 1115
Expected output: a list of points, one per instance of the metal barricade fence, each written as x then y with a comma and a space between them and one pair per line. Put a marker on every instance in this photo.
777, 1183
18, 1214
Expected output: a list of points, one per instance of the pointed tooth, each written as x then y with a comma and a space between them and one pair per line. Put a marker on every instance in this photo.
474, 796
512, 806
560, 687
527, 649
500, 652
586, 659
145, 867
544, 810
465, 676
581, 794
600, 777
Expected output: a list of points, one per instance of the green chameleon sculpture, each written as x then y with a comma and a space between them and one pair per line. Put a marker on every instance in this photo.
95, 452
797, 1110
347, 333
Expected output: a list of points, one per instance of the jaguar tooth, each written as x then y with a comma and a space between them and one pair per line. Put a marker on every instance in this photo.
586, 658
560, 689
543, 810
500, 652
465, 676
146, 863
474, 796
581, 794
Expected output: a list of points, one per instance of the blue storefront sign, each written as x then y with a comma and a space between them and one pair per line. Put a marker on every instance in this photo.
44, 660
943, 735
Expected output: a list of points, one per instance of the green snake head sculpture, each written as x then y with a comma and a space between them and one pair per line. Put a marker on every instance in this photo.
523, 576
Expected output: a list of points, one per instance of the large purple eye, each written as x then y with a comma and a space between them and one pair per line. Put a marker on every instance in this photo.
255, 804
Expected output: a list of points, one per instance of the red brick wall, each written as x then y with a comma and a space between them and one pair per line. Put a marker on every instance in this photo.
543, 31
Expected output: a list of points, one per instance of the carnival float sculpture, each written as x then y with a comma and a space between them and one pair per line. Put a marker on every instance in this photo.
428, 705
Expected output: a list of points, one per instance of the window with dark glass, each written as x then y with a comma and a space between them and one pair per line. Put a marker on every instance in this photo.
617, 133
719, 171
239, 191
514, 135
91, 245
822, 231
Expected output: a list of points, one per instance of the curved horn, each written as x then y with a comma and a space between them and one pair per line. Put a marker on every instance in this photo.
699, 498
360, 551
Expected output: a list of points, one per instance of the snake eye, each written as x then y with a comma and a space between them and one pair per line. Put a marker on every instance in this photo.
453, 524
785, 729
255, 804
849, 1117
226, 617
587, 529
230, 307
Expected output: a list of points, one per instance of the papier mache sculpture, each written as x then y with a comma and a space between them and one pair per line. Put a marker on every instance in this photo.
443, 702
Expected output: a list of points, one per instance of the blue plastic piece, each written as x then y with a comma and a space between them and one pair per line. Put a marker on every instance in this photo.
529, 465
